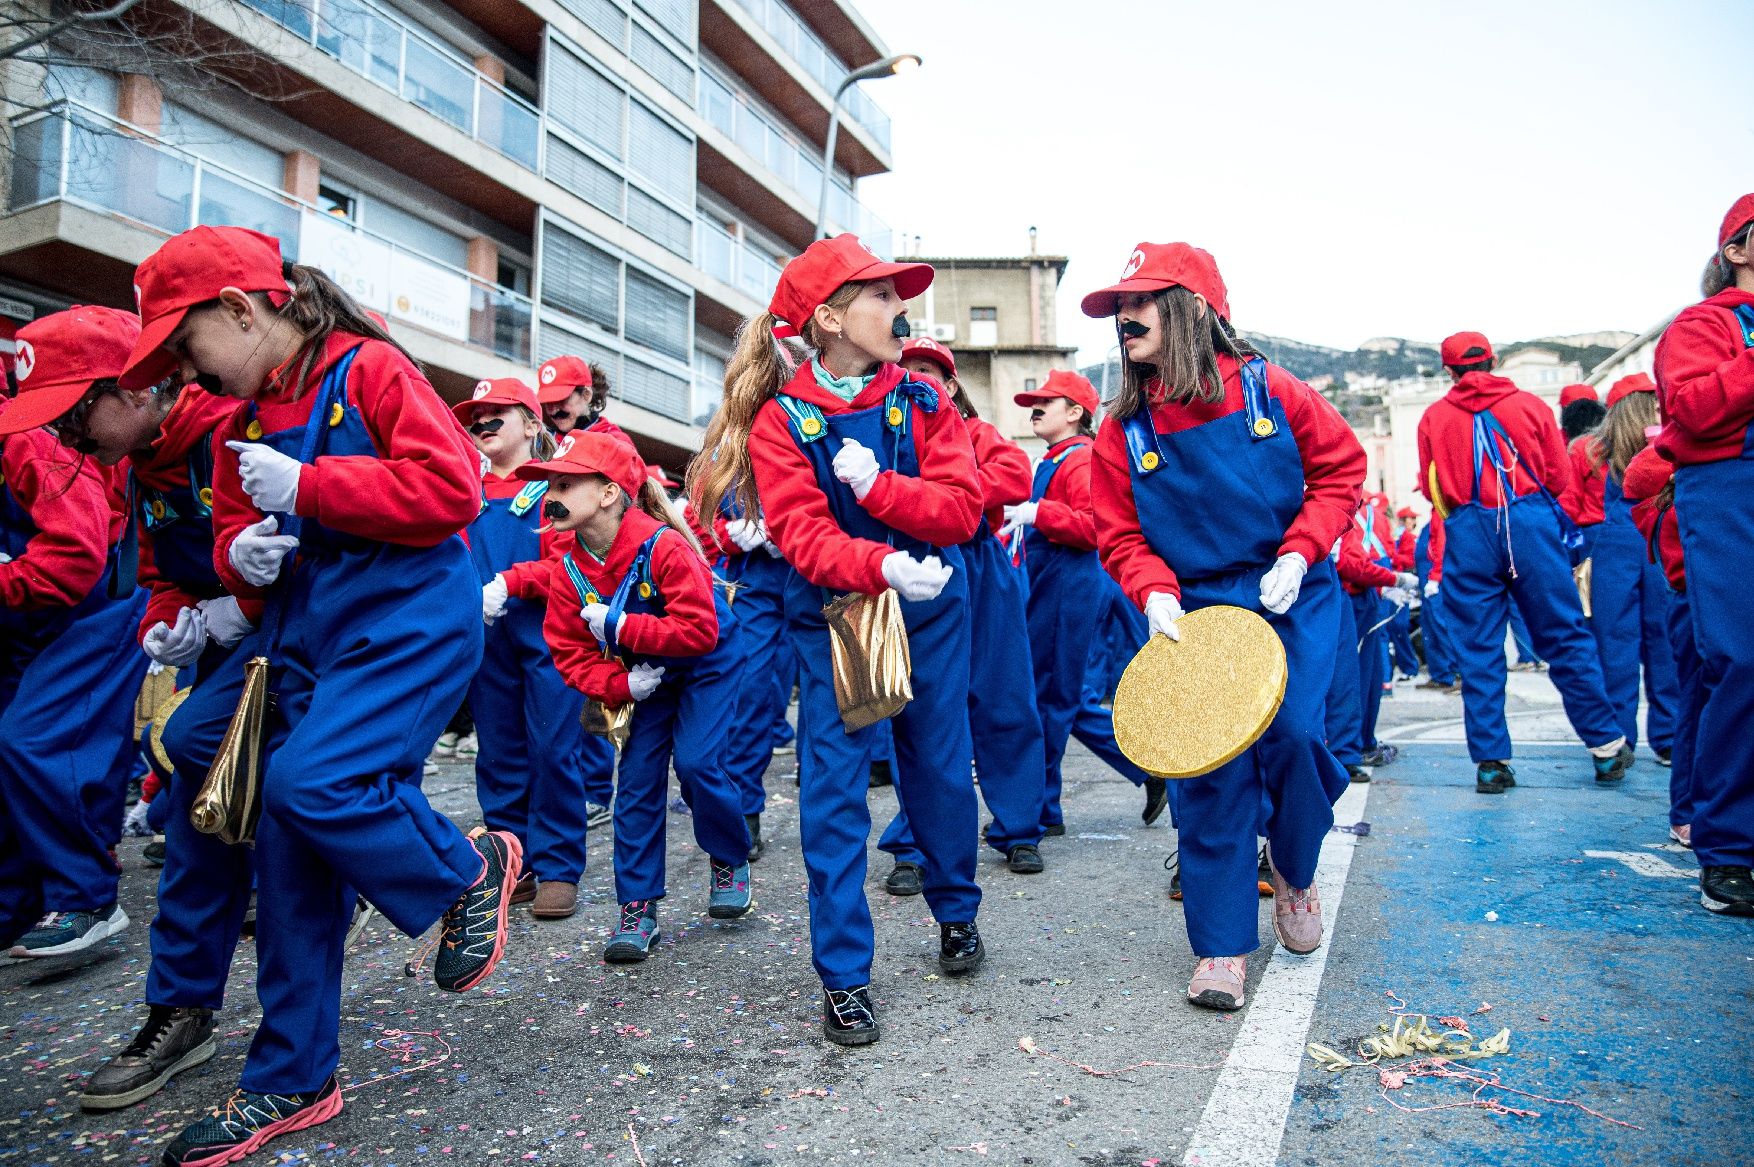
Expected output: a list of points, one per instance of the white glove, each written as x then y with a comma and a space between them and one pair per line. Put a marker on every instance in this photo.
1406, 581
179, 644
1399, 597
270, 478
226, 622
257, 551
916, 579
5, 558
1162, 610
493, 599
747, 534
1020, 515
1279, 587
135, 824
857, 467
597, 616
643, 680
1432, 587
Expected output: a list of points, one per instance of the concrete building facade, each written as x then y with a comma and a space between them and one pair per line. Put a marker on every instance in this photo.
505, 180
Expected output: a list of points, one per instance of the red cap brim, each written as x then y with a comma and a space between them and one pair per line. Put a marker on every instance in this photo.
911, 279
151, 362
34, 408
1107, 301
1030, 397
554, 394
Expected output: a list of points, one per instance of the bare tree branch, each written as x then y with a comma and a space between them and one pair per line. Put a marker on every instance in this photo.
63, 25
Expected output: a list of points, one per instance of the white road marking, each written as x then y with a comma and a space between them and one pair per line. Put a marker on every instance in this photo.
1644, 864
1244, 1120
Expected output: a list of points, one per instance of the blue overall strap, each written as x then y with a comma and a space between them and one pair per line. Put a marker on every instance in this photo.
895, 405
529, 497
1487, 429
639, 573
806, 419
201, 475
1143, 448
1255, 398
1044, 481
587, 593
125, 574
1745, 318
1656, 529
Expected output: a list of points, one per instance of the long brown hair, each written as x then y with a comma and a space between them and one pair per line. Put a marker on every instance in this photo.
758, 370
1621, 434
1719, 273
317, 306
1191, 343
960, 398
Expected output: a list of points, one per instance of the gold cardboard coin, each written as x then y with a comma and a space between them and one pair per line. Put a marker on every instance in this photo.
155, 737
1184, 708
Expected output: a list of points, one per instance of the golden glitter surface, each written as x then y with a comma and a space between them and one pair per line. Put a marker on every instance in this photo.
1184, 708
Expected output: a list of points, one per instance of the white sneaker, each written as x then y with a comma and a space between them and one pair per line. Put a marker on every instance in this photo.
467, 747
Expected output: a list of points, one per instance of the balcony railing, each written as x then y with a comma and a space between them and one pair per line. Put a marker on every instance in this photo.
72, 153
807, 49
732, 261
384, 49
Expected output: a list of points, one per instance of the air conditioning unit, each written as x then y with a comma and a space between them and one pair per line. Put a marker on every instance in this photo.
943, 333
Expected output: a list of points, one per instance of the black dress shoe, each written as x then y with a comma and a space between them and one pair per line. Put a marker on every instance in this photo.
1156, 799
1053, 830
756, 846
904, 880
959, 948
847, 1016
1025, 859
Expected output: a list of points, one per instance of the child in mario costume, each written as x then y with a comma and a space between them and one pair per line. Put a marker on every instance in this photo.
634, 617
868, 482
573, 393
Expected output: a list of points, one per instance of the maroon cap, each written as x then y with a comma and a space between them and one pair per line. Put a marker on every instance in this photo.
1466, 348
584, 452
190, 269
557, 378
1062, 383
60, 355
810, 279
499, 391
1155, 266
1577, 393
925, 346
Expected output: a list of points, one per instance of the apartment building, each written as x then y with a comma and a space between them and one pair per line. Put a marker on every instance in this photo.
504, 180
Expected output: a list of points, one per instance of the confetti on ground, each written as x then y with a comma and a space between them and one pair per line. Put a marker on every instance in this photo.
1028, 1046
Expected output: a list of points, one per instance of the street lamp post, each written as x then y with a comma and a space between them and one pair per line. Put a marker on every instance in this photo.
887, 67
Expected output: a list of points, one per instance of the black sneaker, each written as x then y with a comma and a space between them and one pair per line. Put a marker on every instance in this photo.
847, 1016
904, 880
880, 775
1728, 891
1493, 778
153, 853
1025, 859
756, 846
246, 1122
171, 1041
597, 815
1611, 770
1173, 865
1358, 773
1665, 758
474, 930
64, 933
1156, 800
1053, 830
959, 948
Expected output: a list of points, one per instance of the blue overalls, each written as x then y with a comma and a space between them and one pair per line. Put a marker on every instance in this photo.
1629, 600
1690, 695
1440, 663
373, 646
68, 681
687, 719
529, 771
1066, 601
204, 888
1214, 504
1519, 550
758, 582
1372, 637
1009, 759
933, 749
1343, 719
1715, 504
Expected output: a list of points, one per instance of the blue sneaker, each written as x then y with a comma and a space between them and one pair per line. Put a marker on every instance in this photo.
731, 897
638, 932
1611, 770
61, 933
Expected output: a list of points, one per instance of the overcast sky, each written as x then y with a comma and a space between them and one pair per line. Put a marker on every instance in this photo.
1358, 168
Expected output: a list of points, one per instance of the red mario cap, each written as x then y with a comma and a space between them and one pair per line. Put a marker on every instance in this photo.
1062, 383
810, 279
1577, 393
1155, 266
190, 269
1406, 513
1741, 213
557, 378
1628, 385
1466, 348
925, 346
499, 391
60, 356
584, 452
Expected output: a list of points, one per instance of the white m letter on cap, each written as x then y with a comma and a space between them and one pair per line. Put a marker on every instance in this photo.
1134, 263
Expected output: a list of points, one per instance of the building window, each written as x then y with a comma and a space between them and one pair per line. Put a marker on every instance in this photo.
1029, 384
513, 276
983, 327
337, 203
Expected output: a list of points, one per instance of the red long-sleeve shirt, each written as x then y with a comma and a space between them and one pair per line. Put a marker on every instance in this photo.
69, 500
604, 426
1583, 498
164, 465
688, 627
1646, 475
527, 580
1333, 474
1446, 440
422, 486
1358, 571
1705, 381
1434, 547
1066, 514
1404, 549
1002, 467
942, 506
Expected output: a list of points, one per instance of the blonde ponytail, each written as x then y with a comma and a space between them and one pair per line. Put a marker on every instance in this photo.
758, 370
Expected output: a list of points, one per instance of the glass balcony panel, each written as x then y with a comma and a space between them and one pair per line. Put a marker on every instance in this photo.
290, 14
715, 249
500, 320
507, 125
438, 84
36, 162
232, 204
129, 176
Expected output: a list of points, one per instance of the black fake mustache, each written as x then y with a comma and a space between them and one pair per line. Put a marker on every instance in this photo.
1133, 328
482, 428
209, 383
555, 510
1037, 414
900, 329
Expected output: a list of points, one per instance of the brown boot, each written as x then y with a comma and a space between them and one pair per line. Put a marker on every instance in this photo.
555, 900
525, 889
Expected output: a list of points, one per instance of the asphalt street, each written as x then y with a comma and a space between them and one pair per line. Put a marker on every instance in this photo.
1555, 911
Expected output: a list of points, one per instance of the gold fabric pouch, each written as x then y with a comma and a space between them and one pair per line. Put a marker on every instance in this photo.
614, 724
1581, 576
873, 669
230, 801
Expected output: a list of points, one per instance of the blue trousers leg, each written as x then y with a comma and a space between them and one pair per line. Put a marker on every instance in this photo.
761, 628
1661, 684
1440, 660
1003, 720
556, 826
504, 766
1059, 646
597, 760
1344, 717
1401, 643
1690, 685
1367, 610
1519, 634
1545, 590
1629, 620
